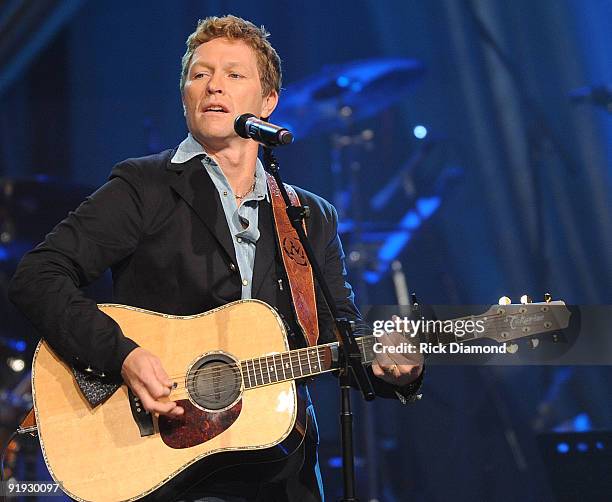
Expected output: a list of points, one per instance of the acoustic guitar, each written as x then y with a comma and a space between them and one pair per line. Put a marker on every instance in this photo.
235, 377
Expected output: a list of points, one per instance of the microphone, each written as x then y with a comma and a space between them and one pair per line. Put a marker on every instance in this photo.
248, 126
600, 95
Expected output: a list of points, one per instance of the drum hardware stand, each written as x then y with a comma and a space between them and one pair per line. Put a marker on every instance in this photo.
347, 203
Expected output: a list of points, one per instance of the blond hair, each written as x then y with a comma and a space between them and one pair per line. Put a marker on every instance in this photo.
236, 28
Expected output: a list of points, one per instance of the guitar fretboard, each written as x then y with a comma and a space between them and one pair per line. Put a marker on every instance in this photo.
291, 365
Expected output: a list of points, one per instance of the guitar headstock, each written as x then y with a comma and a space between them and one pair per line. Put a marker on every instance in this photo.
511, 321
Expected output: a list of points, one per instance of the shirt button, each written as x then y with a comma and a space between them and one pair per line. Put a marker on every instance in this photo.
232, 267
245, 282
239, 239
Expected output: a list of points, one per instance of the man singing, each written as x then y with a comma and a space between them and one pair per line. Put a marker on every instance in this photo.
188, 230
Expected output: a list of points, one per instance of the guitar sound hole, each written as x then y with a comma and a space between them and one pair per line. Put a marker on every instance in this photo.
214, 382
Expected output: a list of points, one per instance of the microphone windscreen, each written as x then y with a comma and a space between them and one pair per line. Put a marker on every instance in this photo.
240, 125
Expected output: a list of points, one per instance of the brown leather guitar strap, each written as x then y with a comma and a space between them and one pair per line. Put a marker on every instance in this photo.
297, 266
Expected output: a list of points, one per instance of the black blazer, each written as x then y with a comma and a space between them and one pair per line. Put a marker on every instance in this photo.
160, 227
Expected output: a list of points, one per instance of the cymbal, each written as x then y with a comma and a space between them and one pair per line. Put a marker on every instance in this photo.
341, 94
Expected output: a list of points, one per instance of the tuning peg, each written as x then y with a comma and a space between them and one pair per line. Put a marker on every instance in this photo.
547, 297
511, 348
504, 300
525, 299
533, 343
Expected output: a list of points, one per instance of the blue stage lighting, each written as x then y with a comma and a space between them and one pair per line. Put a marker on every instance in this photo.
582, 447
563, 448
426, 206
582, 423
395, 243
420, 132
393, 246
412, 220
343, 81
335, 462
371, 277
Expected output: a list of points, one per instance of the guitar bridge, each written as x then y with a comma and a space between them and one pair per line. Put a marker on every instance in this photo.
143, 419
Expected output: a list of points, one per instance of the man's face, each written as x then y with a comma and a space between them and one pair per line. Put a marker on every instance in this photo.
222, 83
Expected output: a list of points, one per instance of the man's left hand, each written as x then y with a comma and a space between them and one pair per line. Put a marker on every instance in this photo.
396, 368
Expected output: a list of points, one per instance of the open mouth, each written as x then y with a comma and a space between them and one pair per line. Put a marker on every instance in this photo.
215, 109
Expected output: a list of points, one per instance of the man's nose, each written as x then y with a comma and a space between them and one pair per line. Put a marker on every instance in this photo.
215, 84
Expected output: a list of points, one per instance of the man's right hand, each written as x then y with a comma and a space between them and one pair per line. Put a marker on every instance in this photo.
144, 374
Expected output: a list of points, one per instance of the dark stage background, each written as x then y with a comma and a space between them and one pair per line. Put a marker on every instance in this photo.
514, 192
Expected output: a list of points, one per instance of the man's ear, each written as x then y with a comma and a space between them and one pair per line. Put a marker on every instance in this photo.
269, 104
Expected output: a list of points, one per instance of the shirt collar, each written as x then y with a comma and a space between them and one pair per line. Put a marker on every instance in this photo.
187, 150
261, 186
190, 148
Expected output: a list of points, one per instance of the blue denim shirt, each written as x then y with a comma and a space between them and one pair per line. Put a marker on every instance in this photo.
242, 220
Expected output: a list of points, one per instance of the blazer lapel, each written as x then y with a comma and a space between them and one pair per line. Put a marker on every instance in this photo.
266, 247
198, 190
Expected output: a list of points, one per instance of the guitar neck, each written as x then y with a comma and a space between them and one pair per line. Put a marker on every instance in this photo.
502, 323
312, 361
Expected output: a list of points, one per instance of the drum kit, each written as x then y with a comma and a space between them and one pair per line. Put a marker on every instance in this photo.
335, 102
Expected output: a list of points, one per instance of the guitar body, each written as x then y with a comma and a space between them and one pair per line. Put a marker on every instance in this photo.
98, 454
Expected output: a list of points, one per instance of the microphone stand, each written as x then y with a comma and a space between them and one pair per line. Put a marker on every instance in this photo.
351, 365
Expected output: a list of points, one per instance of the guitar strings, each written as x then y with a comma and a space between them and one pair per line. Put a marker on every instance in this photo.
294, 356
210, 372
183, 391
207, 375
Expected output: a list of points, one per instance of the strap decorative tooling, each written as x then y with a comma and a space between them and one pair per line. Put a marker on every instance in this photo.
299, 271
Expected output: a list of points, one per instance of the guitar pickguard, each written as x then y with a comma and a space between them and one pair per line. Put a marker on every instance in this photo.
196, 426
